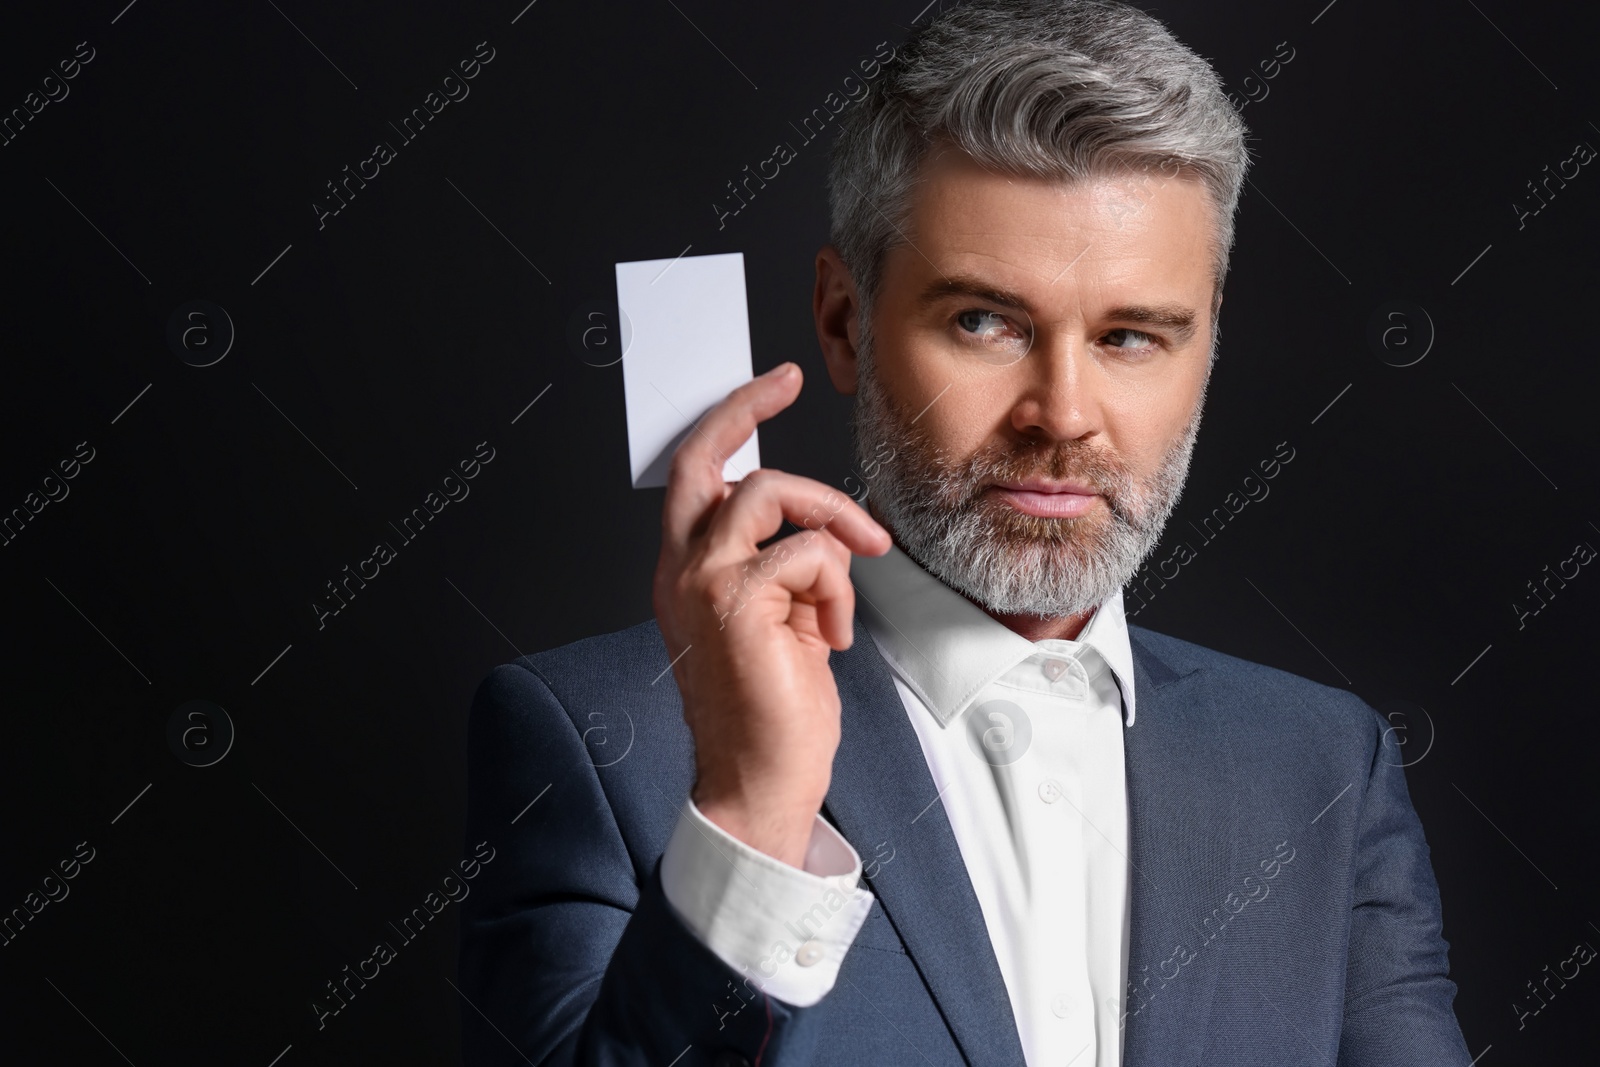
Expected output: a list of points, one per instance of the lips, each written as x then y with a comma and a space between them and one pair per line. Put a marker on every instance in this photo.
1046, 498
1045, 485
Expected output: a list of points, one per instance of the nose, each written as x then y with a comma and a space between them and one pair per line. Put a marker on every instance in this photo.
1057, 391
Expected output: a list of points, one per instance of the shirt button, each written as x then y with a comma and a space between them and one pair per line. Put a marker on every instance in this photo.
1050, 791
1061, 1007
1055, 668
808, 954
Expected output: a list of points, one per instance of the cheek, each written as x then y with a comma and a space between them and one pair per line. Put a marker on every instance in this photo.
964, 419
962, 405
1143, 424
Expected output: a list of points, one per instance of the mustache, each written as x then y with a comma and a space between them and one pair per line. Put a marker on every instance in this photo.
1067, 461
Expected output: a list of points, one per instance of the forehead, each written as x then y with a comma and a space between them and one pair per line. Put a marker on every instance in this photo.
1121, 235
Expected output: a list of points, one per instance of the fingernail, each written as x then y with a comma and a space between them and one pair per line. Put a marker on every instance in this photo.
781, 369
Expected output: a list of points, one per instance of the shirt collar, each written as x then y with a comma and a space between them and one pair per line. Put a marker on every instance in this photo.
947, 649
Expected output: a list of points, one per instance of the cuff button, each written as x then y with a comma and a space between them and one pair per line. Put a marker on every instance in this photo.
808, 954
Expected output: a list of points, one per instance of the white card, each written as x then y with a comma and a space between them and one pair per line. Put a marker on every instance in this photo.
685, 345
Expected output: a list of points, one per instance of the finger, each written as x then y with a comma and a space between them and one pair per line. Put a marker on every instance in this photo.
766, 497
694, 480
813, 569
836, 615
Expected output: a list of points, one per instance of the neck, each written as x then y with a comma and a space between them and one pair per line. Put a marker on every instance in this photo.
1034, 628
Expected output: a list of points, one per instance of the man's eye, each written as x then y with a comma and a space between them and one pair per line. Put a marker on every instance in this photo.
990, 325
993, 337
1130, 340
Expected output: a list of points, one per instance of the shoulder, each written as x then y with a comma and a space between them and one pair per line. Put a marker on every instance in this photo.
1261, 696
599, 718
624, 658
620, 671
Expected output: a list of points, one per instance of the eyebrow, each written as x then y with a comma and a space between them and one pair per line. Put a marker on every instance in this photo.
1178, 320
971, 285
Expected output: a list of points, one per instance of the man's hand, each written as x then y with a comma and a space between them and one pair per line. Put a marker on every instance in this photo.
750, 629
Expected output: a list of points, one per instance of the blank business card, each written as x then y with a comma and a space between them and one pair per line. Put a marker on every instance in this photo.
686, 346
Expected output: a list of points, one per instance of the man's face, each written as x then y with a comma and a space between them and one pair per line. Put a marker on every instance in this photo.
1031, 338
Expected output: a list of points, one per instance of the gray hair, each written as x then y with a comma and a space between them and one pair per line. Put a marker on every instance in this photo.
1064, 89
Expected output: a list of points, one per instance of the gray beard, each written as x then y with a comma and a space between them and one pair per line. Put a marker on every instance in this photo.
1008, 562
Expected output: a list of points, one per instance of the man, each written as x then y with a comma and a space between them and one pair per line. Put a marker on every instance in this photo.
922, 795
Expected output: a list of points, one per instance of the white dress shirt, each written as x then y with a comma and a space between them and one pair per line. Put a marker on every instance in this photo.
1023, 741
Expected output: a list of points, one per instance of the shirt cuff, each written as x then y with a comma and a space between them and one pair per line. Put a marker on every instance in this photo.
786, 929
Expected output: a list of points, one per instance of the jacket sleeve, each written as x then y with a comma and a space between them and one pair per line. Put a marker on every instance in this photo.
1398, 996
570, 954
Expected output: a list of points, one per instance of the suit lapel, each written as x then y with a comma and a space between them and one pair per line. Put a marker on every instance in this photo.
882, 792
1182, 809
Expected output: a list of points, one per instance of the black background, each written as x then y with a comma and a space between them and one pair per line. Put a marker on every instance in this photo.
379, 350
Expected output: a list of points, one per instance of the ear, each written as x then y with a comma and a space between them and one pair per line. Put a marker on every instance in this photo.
835, 305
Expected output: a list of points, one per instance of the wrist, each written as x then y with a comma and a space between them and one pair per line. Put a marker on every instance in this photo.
780, 828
